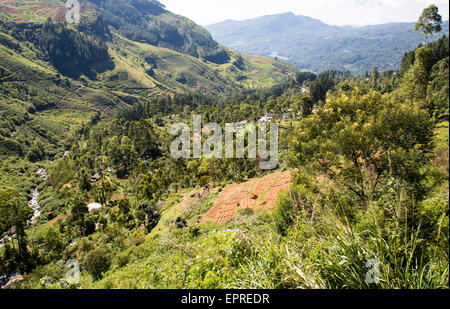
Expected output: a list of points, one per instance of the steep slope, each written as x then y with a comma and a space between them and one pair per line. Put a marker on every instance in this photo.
39, 105
147, 21
143, 32
55, 79
53, 74
311, 44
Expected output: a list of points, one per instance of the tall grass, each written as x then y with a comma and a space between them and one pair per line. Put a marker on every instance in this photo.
401, 264
312, 257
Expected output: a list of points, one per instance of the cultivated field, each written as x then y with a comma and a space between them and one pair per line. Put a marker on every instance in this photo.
258, 194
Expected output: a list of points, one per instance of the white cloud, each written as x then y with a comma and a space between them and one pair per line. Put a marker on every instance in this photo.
337, 12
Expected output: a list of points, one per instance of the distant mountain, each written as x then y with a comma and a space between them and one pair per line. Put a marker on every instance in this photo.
313, 45
122, 52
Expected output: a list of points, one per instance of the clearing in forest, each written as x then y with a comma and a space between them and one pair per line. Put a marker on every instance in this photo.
259, 194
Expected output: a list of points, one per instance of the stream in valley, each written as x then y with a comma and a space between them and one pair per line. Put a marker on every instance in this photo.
33, 203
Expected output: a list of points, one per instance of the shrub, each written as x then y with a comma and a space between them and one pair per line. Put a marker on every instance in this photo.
97, 262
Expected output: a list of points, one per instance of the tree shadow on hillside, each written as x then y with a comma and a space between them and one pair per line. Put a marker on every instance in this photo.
90, 69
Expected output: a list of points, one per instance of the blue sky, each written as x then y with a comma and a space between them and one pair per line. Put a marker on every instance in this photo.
335, 12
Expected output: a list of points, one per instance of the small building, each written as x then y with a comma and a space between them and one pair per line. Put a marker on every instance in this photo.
208, 128
267, 118
96, 177
94, 206
242, 124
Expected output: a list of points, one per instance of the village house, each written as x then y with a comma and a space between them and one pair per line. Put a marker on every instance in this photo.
267, 118
241, 124
94, 206
96, 177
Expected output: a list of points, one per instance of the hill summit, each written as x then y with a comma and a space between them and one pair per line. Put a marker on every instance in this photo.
313, 45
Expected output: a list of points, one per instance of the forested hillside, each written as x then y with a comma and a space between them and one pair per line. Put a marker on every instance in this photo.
313, 45
148, 22
87, 176
55, 77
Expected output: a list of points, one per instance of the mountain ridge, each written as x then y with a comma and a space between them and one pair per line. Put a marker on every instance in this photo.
311, 44
52, 73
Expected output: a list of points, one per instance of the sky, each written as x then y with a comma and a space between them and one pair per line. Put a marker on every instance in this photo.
333, 12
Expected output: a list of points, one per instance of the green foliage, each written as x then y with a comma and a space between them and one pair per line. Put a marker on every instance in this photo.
305, 77
14, 211
103, 191
49, 243
407, 61
203, 264
97, 262
426, 79
36, 152
430, 21
284, 213
369, 180
438, 90
415, 81
149, 22
434, 216
14, 215
149, 214
347, 257
324, 82
78, 212
69, 49
361, 140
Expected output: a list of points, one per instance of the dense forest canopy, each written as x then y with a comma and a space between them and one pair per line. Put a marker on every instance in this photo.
68, 48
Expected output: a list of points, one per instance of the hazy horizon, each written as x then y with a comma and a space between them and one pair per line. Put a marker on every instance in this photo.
287, 12
332, 12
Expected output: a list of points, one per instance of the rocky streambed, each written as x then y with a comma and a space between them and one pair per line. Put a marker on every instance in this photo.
34, 201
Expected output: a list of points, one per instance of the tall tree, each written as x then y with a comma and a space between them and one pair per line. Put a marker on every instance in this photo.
363, 140
415, 82
430, 21
375, 76
14, 215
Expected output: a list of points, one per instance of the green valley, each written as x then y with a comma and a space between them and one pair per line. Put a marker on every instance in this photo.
93, 197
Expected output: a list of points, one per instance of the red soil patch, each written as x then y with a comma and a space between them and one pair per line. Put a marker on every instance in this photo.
46, 8
258, 194
60, 16
10, 10
257, 59
57, 12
